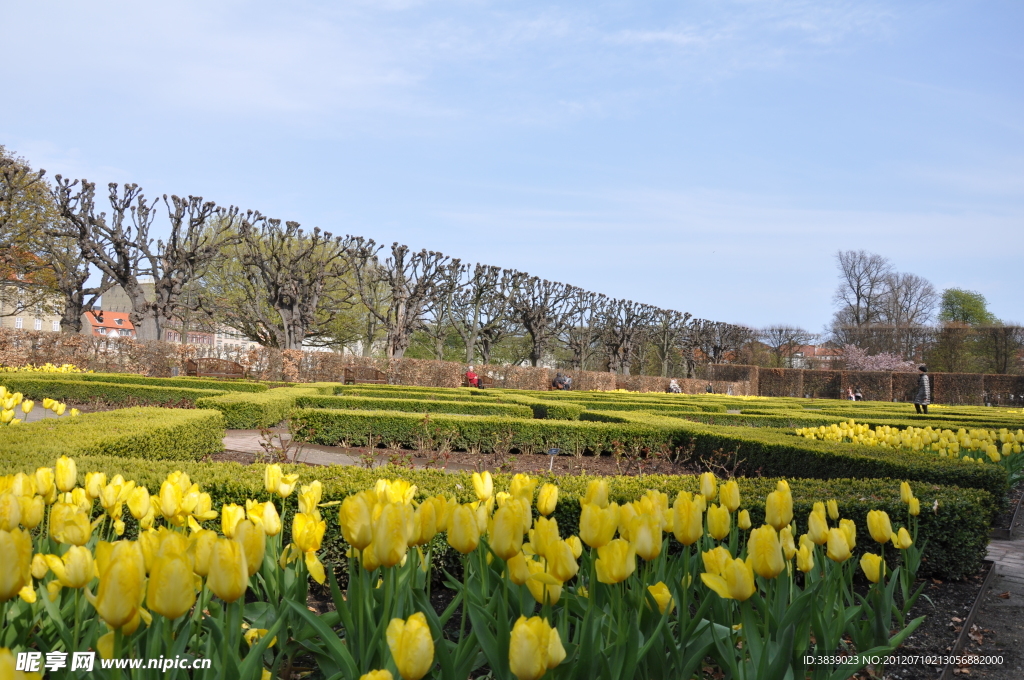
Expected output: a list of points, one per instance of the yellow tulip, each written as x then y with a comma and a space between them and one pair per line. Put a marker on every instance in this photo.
506, 532
817, 528
39, 567
547, 499
850, 531
201, 548
171, 591
597, 524
779, 508
32, 510
719, 521
708, 486
170, 502
74, 569
645, 536
254, 543
615, 561
264, 514
661, 594
906, 493
68, 524
518, 571
412, 646
902, 539
576, 545
879, 526
425, 524
597, 494
838, 545
715, 559
805, 558
534, 648
275, 481
230, 515
355, 518
27, 405
383, 674
545, 588
10, 512
914, 507
391, 533
94, 483
735, 583
561, 562
45, 482
228, 577
627, 512
543, 534
483, 485
16, 567
765, 552
872, 566
464, 532
788, 545
139, 502
833, 510
67, 474
122, 573
523, 486
743, 520
729, 495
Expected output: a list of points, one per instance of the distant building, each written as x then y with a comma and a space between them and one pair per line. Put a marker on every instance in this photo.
18, 314
108, 324
814, 356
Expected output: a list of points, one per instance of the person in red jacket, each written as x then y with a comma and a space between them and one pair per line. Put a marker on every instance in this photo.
472, 378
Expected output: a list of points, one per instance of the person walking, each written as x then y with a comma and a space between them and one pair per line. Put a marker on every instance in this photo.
924, 390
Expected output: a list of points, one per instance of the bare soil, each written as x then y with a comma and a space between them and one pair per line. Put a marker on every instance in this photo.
1014, 499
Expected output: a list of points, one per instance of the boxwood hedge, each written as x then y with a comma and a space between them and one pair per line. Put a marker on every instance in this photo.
135, 379
416, 406
83, 391
248, 411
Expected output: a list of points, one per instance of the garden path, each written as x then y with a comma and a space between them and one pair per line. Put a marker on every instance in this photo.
1000, 621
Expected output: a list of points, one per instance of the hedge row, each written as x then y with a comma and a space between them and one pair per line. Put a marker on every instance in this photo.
81, 391
250, 411
417, 406
549, 410
764, 450
134, 379
957, 534
141, 433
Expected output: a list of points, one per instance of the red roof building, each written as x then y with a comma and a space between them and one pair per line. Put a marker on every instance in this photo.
113, 324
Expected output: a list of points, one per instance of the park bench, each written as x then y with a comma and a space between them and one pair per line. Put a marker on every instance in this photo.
363, 374
214, 368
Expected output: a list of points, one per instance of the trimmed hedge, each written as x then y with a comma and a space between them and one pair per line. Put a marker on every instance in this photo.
417, 406
82, 391
765, 451
183, 381
549, 410
141, 433
957, 534
250, 411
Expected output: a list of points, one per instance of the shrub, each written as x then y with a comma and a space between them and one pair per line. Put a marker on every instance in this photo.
141, 433
417, 406
75, 390
250, 411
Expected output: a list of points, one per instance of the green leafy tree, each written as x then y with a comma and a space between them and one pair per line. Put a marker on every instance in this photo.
965, 307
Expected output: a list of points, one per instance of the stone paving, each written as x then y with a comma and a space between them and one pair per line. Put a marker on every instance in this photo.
1000, 619
248, 441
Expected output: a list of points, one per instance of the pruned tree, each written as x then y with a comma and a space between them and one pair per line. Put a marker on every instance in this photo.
413, 282
668, 330
622, 323
439, 327
863, 286
582, 334
291, 278
121, 248
544, 308
480, 310
714, 341
784, 341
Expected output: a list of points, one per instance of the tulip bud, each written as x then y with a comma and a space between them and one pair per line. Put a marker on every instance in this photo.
765, 552
906, 493
16, 567
872, 566
383, 674
229, 574
171, 590
518, 570
597, 494
94, 483
788, 545
122, 573
914, 507
817, 528
708, 486
805, 558
779, 508
523, 486
838, 545
354, 516
67, 474
850, 531
833, 510
45, 482
254, 543
547, 499
661, 594
615, 561
598, 525
743, 520
715, 559
464, 532
10, 512
391, 533
902, 539
729, 495
264, 514
645, 535
483, 485
139, 502
411, 645
534, 648
561, 562
879, 526
718, 521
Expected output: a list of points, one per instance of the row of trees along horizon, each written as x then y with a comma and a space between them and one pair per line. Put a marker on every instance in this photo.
285, 287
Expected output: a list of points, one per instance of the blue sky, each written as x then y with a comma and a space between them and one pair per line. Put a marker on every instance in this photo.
705, 156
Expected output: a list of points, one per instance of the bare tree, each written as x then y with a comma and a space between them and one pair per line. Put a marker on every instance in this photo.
480, 310
784, 341
289, 277
622, 323
439, 328
413, 281
714, 340
909, 303
544, 308
120, 247
71, 272
1002, 344
863, 285
583, 330
667, 333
